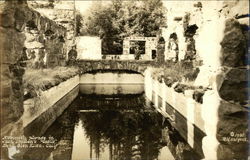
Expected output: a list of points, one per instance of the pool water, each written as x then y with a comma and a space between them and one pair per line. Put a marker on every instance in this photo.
112, 127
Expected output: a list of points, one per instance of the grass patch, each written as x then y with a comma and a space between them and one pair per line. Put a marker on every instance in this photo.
176, 72
42, 79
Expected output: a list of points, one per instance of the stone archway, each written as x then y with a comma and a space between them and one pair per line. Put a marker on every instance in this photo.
133, 66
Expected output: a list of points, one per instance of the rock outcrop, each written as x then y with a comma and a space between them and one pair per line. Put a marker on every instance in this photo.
11, 46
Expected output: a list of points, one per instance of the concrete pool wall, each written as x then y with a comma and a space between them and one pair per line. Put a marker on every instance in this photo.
49, 105
210, 127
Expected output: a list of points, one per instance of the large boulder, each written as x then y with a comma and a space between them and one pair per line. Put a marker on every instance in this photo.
232, 85
232, 131
234, 44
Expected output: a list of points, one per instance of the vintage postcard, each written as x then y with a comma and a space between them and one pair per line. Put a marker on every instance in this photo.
124, 79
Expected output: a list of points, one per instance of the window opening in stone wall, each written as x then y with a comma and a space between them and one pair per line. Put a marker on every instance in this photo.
153, 54
137, 45
112, 46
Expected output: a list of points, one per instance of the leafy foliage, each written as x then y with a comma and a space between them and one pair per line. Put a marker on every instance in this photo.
125, 18
121, 19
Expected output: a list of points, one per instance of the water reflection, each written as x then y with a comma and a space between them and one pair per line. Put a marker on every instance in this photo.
120, 132
128, 135
111, 127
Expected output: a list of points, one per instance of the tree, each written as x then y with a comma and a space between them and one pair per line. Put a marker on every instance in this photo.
79, 24
143, 18
121, 19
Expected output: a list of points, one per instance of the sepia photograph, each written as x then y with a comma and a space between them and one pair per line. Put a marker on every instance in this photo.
124, 80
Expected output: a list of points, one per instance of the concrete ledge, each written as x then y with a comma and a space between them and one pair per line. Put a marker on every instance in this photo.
184, 113
39, 125
184, 104
34, 107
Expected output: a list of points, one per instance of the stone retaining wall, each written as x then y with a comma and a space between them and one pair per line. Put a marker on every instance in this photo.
61, 12
45, 40
11, 46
